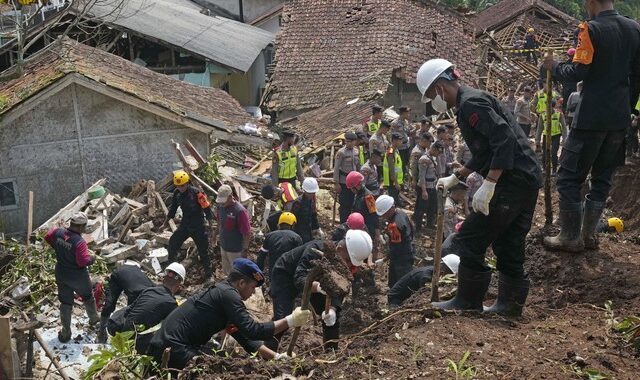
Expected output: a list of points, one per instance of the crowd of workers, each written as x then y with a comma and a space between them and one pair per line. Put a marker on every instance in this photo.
491, 178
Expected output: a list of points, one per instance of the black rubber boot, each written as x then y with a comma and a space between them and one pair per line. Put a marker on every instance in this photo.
592, 213
569, 238
92, 311
101, 337
64, 335
472, 286
512, 294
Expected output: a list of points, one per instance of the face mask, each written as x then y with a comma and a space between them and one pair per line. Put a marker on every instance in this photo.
438, 104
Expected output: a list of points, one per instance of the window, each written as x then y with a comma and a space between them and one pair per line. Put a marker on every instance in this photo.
8, 197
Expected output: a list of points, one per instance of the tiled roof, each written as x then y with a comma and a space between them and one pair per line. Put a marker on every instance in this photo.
322, 124
506, 10
184, 99
340, 49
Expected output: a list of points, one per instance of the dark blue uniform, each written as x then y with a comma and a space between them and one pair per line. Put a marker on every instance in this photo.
401, 249
128, 279
307, 217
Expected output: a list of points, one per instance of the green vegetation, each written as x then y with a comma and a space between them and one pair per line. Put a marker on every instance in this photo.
459, 369
627, 328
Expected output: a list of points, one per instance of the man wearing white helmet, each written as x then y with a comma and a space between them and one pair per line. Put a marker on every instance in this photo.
304, 208
400, 232
151, 307
504, 204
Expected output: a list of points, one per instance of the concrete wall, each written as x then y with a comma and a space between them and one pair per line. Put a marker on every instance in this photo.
271, 24
252, 8
402, 93
56, 155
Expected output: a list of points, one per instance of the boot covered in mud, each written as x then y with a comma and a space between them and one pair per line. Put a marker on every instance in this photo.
101, 337
472, 287
64, 335
92, 312
569, 238
512, 294
592, 213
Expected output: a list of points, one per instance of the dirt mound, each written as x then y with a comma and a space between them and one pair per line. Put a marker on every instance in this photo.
218, 367
626, 203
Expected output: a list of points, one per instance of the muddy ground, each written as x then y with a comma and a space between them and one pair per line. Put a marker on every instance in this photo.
563, 334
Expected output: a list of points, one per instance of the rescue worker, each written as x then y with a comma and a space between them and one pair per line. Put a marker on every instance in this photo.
220, 307
418, 278
392, 173
304, 208
370, 172
568, 86
353, 250
426, 193
364, 203
540, 102
127, 278
195, 208
280, 241
424, 141
402, 126
286, 165
455, 208
346, 161
523, 112
151, 307
378, 142
400, 232
355, 221
283, 195
558, 130
509, 101
463, 155
372, 125
362, 145
233, 228
607, 60
504, 204
282, 285
72, 275
441, 136
572, 104
531, 46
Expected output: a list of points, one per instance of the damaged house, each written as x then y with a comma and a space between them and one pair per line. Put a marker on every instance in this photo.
80, 114
344, 49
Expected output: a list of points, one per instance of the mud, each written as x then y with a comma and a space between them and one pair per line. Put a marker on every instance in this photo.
334, 277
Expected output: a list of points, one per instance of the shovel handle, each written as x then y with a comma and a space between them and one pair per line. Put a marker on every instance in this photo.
306, 295
438, 250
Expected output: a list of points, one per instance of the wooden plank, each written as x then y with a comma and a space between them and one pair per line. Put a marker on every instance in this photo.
132, 203
194, 152
165, 210
203, 183
105, 224
30, 218
123, 233
151, 199
8, 364
74, 206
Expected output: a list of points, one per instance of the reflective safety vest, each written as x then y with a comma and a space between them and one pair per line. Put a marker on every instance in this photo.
542, 102
361, 157
397, 166
556, 128
288, 194
638, 105
372, 127
287, 163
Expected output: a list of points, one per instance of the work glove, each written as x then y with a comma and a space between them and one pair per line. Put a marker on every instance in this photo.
298, 318
329, 318
448, 182
379, 262
483, 196
283, 356
318, 289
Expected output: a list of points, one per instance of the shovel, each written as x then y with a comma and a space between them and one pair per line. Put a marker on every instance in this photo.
438, 254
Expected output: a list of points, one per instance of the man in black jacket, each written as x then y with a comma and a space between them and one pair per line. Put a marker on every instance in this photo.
220, 307
276, 243
607, 61
127, 278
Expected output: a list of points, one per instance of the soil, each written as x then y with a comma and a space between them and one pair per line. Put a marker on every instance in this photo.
563, 334
334, 277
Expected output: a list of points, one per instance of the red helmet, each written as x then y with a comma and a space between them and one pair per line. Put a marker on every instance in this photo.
457, 227
354, 179
571, 52
355, 221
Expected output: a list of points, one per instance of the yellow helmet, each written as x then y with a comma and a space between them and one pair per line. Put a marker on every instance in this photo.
180, 177
287, 218
530, 30
616, 223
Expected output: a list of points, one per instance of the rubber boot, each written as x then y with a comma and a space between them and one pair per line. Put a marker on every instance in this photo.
592, 213
64, 335
512, 294
101, 337
569, 238
92, 311
472, 286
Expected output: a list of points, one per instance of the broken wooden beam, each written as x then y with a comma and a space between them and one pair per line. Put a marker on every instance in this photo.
194, 152
165, 210
47, 351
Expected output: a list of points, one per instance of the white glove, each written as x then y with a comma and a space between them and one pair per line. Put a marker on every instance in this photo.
330, 317
318, 288
447, 182
483, 196
298, 318
379, 261
283, 356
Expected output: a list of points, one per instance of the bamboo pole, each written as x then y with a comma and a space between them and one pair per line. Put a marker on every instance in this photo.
548, 212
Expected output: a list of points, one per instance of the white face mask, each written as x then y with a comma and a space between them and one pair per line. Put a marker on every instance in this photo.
438, 103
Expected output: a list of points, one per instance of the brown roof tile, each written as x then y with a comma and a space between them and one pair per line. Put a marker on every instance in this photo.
181, 98
504, 11
341, 49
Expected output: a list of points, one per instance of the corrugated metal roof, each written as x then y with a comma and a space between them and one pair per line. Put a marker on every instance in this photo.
222, 41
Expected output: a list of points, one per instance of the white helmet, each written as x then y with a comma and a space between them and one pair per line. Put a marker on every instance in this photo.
428, 73
310, 185
452, 261
359, 246
178, 269
383, 204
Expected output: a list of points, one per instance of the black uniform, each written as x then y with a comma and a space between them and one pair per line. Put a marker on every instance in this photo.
401, 249
496, 141
151, 307
365, 204
275, 244
283, 286
192, 325
611, 84
128, 279
409, 284
192, 224
306, 216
